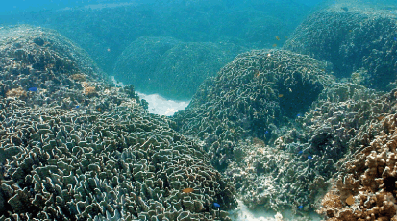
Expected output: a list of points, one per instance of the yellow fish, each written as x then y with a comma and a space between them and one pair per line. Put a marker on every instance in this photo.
187, 190
350, 200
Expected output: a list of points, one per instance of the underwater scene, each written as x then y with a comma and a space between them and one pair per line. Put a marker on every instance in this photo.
198, 110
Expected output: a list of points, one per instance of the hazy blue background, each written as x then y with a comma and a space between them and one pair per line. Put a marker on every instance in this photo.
116, 33
29, 5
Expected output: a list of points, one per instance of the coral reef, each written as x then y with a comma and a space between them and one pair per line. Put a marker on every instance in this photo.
42, 67
120, 164
366, 189
173, 68
333, 122
359, 41
294, 171
272, 127
255, 95
292, 168
85, 150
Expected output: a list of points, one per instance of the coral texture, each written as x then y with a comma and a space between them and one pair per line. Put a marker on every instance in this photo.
369, 177
359, 41
255, 95
78, 148
121, 164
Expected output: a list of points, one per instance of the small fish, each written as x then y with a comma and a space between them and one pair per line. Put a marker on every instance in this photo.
278, 38
187, 190
266, 132
33, 89
300, 152
345, 9
217, 205
350, 200
395, 38
77, 106
300, 207
310, 157
257, 73
274, 45
281, 95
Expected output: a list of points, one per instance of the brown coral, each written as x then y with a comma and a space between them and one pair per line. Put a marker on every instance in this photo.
330, 203
78, 77
370, 179
17, 92
89, 90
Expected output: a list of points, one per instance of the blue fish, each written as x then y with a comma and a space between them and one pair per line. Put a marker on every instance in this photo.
77, 106
395, 38
310, 157
300, 207
33, 89
300, 152
217, 205
266, 132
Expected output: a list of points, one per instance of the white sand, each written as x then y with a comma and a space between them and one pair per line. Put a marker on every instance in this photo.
158, 104
243, 213
162, 106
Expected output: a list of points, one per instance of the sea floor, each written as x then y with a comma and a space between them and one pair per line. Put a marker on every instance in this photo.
243, 213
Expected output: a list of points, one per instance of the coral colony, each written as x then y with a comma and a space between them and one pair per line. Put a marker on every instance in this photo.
108, 160
280, 130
